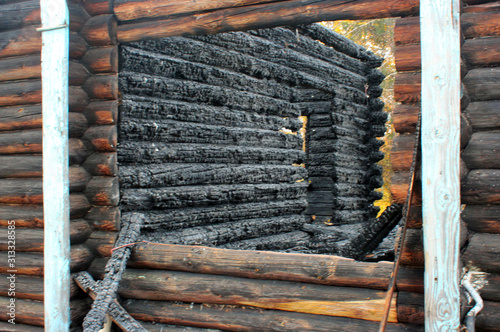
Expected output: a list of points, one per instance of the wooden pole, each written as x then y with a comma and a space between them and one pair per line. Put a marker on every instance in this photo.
55, 55
440, 39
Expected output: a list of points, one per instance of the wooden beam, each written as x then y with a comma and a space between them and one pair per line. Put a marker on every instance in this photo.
55, 64
440, 39
292, 12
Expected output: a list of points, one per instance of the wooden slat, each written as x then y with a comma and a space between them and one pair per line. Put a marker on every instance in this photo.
440, 39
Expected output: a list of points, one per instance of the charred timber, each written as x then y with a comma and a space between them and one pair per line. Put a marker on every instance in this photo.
171, 197
163, 175
159, 109
149, 153
264, 15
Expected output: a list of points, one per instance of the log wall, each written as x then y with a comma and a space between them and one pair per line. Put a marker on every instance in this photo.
479, 126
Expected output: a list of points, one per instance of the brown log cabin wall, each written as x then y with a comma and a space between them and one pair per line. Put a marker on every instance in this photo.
480, 155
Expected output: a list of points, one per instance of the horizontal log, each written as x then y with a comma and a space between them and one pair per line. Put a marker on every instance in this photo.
20, 68
280, 295
483, 84
21, 166
102, 60
182, 132
102, 138
411, 308
27, 41
103, 191
405, 117
482, 218
98, 7
491, 290
483, 8
31, 311
156, 327
102, 112
18, 15
206, 195
480, 24
488, 320
399, 188
28, 287
126, 10
102, 243
246, 318
408, 58
141, 107
263, 16
407, 87
315, 269
484, 114
102, 164
104, 218
483, 150
77, 151
148, 153
163, 175
31, 216
100, 30
481, 186
8, 327
483, 253
32, 239
482, 52
402, 152
102, 87
32, 263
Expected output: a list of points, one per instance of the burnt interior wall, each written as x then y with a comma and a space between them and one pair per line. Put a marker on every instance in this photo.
206, 154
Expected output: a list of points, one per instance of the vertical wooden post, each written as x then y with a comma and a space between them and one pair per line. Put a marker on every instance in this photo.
440, 40
55, 53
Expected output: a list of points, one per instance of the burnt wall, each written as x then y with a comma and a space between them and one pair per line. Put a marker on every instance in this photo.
210, 152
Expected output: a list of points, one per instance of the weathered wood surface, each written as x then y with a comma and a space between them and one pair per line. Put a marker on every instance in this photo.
407, 29
491, 290
98, 7
483, 252
483, 84
157, 327
280, 295
484, 114
482, 218
399, 188
483, 8
482, 52
488, 320
100, 30
407, 87
32, 239
246, 318
314, 269
102, 59
103, 191
405, 117
263, 15
411, 308
8, 327
32, 263
482, 186
27, 41
102, 112
483, 151
102, 87
102, 138
29, 287
102, 164
104, 218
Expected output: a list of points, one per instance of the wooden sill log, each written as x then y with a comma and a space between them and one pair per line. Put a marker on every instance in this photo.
481, 186
100, 30
31, 216
246, 318
18, 15
483, 253
31, 311
262, 16
102, 60
482, 218
32, 263
359, 303
483, 83
102, 112
314, 269
32, 239
29, 41
484, 114
407, 30
29, 287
